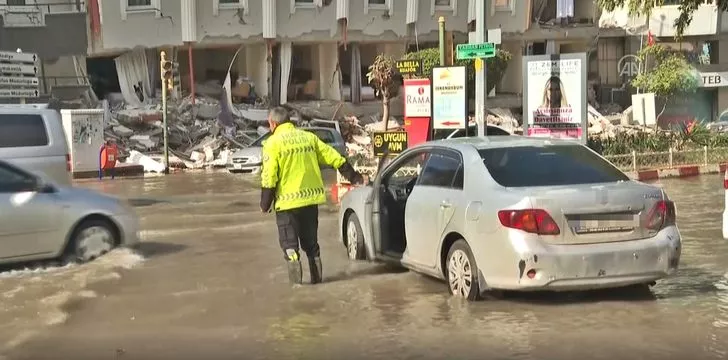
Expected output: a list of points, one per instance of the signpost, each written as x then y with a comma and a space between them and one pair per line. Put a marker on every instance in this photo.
475, 51
18, 75
449, 97
389, 142
407, 67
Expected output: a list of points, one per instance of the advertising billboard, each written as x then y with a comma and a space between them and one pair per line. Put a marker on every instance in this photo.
554, 99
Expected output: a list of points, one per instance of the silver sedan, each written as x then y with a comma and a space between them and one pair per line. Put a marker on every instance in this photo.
40, 220
513, 213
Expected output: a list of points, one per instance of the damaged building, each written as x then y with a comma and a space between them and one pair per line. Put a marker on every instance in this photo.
311, 55
624, 35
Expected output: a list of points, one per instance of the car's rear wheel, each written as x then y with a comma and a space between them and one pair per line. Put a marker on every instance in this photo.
90, 240
354, 238
462, 272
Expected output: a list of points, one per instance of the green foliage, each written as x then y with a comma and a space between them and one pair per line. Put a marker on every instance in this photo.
667, 74
496, 65
644, 7
382, 75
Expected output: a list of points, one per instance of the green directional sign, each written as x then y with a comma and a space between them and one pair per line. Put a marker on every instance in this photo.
475, 51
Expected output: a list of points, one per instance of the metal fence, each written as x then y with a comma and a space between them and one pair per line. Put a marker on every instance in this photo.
629, 162
669, 159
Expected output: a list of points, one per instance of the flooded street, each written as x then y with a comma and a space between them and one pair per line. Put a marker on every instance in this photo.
209, 282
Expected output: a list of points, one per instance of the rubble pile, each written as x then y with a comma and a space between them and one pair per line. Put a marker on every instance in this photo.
197, 136
608, 127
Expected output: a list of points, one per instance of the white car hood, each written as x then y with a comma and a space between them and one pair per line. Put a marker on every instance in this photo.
253, 151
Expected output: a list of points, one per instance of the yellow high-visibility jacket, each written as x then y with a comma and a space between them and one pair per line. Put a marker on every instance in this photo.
291, 159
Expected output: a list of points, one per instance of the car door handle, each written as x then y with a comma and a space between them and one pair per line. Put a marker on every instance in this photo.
445, 205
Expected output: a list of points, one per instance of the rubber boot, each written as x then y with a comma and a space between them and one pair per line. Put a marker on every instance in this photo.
314, 265
295, 273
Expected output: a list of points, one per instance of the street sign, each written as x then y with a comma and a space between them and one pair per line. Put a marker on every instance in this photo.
406, 67
19, 81
449, 97
389, 142
18, 93
475, 51
18, 57
18, 75
18, 69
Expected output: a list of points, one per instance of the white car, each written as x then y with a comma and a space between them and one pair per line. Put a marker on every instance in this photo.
41, 220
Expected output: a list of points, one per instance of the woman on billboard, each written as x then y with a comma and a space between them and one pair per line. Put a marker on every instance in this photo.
553, 94
554, 108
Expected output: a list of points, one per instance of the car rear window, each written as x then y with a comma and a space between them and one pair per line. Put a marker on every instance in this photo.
548, 166
325, 136
22, 130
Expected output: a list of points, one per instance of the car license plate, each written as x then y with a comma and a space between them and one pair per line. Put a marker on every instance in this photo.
238, 166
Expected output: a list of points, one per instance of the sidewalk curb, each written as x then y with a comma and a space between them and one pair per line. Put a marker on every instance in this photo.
677, 172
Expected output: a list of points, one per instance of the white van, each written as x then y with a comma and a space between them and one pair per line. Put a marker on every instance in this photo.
32, 137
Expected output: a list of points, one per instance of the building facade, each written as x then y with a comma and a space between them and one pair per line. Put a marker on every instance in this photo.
327, 43
701, 43
56, 31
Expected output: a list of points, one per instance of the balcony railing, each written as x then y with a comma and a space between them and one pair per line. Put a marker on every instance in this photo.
32, 13
47, 7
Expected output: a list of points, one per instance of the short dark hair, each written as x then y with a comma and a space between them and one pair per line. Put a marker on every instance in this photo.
279, 115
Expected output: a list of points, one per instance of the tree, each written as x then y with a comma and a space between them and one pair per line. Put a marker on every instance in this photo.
382, 76
644, 7
667, 74
496, 65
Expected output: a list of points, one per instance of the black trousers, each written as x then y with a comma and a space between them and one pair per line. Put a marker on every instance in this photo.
296, 225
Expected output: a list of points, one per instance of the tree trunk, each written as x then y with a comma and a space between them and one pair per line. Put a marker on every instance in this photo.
385, 111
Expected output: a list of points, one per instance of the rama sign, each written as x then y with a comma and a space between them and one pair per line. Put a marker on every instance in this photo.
417, 98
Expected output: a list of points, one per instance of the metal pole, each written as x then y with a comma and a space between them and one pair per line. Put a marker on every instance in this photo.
163, 56
480, 69
164, 125
441, 22
192, 72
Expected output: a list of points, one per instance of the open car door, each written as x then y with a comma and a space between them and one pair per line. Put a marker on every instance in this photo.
392, 186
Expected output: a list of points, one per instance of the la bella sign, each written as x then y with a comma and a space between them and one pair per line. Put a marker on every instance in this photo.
417, 98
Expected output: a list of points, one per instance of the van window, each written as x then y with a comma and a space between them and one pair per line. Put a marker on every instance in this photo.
550, 165
22, 130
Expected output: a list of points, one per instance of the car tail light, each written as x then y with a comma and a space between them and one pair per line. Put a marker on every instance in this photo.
68, 162
725, 180
535, 221
662, 215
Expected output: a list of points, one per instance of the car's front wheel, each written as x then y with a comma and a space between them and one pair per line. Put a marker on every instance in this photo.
462, 271
90, 240
354, 238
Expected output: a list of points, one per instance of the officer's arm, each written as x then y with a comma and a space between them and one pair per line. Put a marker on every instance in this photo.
329, 156
268, 177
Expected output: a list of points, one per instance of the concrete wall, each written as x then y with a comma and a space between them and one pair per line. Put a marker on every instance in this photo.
63, 34
147, 29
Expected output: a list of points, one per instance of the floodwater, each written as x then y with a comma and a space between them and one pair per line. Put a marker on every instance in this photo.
209, 282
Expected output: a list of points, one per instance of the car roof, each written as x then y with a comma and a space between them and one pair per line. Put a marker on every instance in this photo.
491, 142
317, 128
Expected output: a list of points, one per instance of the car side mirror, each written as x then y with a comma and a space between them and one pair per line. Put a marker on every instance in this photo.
43, 187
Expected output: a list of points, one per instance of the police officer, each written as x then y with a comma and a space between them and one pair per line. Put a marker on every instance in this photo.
291, 183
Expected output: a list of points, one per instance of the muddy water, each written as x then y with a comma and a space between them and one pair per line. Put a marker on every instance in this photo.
212, 284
